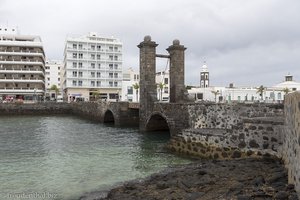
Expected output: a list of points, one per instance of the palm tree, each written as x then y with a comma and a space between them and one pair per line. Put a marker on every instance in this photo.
261, 90
95, 95
55, 89
136, 86
215, 93
160, 87
286, 91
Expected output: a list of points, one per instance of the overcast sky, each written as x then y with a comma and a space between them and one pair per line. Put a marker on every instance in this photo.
247, 42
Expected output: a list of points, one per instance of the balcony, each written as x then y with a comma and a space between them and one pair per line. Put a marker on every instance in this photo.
22, 53
21, 80
22, 62
7, 90
21, 71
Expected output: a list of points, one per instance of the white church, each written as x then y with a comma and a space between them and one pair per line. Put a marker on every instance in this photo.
274, 94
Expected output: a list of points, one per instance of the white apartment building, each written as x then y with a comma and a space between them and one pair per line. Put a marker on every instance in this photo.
92, 65
162, 80
22, 66
130, 77
53, 77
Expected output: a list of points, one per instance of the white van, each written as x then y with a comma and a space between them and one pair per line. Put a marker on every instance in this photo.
59, 98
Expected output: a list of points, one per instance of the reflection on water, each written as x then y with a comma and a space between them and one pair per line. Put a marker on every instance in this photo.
69, 156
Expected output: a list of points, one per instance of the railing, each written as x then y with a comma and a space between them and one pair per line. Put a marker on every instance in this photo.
16, 70
13, 78
20, 51
22, 60
24, 89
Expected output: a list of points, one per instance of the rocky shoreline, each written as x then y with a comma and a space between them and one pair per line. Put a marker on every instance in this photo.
243, 179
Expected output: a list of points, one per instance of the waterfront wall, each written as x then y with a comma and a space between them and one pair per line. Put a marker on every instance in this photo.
224, 131
35, 109
117, 112
291, 141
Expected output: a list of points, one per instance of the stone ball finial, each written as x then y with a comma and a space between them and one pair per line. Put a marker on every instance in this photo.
176, 42
147, 38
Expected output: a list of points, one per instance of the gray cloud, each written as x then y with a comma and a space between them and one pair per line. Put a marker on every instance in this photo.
250, 42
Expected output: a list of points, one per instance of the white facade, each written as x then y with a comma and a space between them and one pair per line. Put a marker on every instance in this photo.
92, 64
130, 77
162, 80
22, 66
274, 94
53, 77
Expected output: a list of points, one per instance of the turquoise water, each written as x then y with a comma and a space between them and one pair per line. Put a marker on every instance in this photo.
63, 157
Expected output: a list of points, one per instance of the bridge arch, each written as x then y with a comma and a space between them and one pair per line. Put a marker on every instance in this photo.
157, 122
108, 117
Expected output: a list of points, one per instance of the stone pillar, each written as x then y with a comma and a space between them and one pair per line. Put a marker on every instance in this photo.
148, 88
178, 93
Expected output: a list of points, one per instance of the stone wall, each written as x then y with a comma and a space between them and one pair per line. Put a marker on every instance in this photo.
291, 142
35, 109
122, 114
231, 131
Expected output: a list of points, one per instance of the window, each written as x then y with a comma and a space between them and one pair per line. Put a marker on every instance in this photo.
93, 47
74, 65
136, 77
58, 68
93, 65
166, 81
98, 83
93, 56
98, 47
116, 57
58, 79
116, 84
116, 48
74, 55
111, 57
74, 46
116, 66
98, 74
116, 75
93, 74
79, 83
80, 55
80, 46
79, 74
98, 57
74, 83
166, 90
99, 66
129, 90
110, 75
111, 66
110, 83
111, 48
74, 74
93, 83
80, 65
279, 96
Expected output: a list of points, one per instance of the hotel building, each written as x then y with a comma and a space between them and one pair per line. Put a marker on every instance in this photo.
53, 77
22, 65
92, 65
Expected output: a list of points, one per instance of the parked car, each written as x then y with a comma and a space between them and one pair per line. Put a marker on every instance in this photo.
59, 98
8, 99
